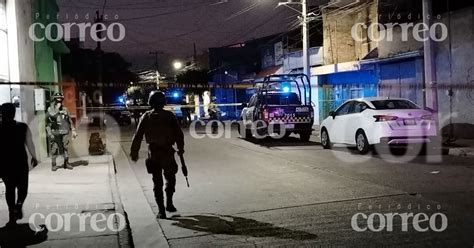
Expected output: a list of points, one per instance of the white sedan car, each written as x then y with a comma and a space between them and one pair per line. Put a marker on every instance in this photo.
370, 121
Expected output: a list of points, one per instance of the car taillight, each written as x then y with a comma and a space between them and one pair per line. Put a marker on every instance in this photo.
382, 118
427, 117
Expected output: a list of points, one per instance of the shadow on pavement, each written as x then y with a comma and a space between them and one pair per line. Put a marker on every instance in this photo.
80, 163
22, 235
231, 225
418, 154
289, 141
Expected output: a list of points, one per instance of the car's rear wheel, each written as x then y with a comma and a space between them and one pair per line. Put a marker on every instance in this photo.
362, 143
325, 141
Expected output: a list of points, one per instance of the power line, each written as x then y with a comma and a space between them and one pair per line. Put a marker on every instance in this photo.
243, 11
162, 14
249, 31
123, 7
103, 7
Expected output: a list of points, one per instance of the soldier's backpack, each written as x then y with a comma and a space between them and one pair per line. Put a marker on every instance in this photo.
96, 146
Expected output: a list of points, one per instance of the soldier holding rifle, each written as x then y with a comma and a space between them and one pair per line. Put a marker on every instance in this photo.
161, 131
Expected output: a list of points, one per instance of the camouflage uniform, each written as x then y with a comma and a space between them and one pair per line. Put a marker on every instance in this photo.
59, 126
161, 131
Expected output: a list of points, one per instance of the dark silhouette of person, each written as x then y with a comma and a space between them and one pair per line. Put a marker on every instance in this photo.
15, 136
161, 130
136, 113
186, 113
214, 112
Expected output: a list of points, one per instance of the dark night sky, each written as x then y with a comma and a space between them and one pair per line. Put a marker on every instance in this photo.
172, 26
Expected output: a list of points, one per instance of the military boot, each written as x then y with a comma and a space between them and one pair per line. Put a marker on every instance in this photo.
54, 167
19, 210
161, 207
67, 165
13, 217
169, 203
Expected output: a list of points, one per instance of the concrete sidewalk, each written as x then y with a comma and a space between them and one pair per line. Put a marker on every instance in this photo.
144, 227
80, 207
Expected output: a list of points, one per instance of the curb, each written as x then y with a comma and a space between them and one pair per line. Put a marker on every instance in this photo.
125, 236
145, 229
461, 152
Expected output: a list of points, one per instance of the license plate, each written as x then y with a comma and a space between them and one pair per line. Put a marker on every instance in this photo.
302, 109
409, 122
289, 126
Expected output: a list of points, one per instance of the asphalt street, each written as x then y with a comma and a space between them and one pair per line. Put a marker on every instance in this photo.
288, 193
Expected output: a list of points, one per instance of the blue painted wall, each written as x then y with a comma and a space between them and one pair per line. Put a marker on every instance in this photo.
339, 87
395, 79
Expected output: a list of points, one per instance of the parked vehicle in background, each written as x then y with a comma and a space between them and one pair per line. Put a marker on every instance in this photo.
275, 105
174, 99
119, 113
370, 121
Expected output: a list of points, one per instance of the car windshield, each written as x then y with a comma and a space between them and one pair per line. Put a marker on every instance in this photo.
282, 99
394, 104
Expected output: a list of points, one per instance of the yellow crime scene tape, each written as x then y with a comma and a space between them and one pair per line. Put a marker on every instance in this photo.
468, 85
167, 107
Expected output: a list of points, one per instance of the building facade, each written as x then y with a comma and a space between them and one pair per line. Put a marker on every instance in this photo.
24, 63
387, 61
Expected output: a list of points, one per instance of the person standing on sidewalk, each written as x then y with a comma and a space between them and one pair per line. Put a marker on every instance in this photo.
14, 168
59, 127
214, 114
161, 130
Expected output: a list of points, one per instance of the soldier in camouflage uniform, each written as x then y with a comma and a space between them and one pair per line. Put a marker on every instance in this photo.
59, 127
161, 131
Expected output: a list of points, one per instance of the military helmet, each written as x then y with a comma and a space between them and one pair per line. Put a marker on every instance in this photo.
58, 97
157, 99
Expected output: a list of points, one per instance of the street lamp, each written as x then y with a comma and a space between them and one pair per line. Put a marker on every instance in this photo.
177, 65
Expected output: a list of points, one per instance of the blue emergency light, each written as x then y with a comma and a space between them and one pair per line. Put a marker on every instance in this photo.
286, 87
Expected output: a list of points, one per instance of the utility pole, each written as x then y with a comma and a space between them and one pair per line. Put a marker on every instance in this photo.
156, 53
431, 91
305, 19
305, 31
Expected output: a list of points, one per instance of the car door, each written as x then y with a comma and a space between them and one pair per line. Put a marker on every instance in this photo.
337, 131
353, 121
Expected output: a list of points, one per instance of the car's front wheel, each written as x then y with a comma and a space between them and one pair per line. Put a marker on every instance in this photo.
362, 142
325, 141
